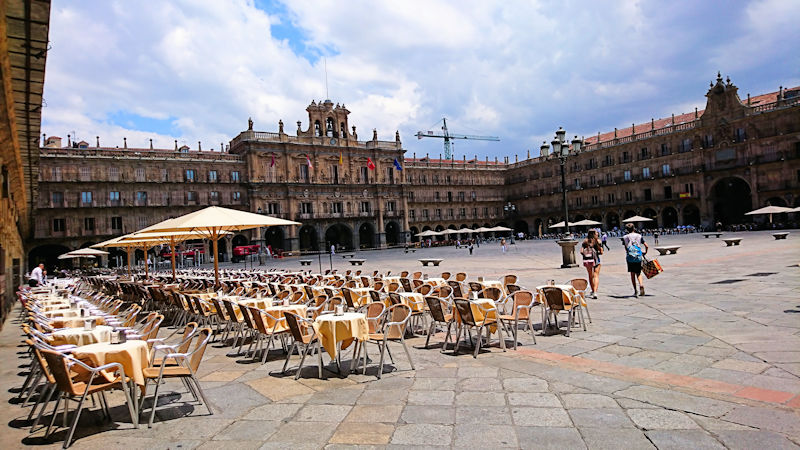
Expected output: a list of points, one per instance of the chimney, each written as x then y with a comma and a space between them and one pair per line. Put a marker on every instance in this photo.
748, 99
652, 124
151, 143
44, 139
176, 145
199, 147
615, 132
221, 147
673, 119
695, 112
124, 142
98, 141
69, 143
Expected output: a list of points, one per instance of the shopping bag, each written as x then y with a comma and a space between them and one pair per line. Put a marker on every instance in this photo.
651, 268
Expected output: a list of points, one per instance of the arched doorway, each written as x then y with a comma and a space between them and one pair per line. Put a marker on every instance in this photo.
239, 240
392, 233
628, 214
669, 217
439, 228
117, 257
340, 235
650, 213
366, 235
521, 226
273, 237
691, 215
731, 198
578, 218
414, 232
612, 220
48, 255
308, 238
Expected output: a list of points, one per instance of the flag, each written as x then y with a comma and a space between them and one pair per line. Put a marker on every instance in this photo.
272, 163
370, 164
308, 161
397, 165
340, 157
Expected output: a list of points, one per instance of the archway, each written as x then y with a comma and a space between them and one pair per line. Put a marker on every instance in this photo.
628, 214
366, 235
731, 198
777, 218
669, 217
650, 213
521, 226
48, 254
691, 215
117, 257
776, 201
340, 235
438, 229
426, 228
273, 237
578, 218
308, 238
392, 233
239, 240
612, 220
414, 232
222, 246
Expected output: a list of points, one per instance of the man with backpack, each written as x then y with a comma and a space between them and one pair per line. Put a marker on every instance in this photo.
633, 243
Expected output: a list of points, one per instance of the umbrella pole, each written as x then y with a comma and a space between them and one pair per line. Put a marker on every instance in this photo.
146, 269
172, 251
214, 238
128, 248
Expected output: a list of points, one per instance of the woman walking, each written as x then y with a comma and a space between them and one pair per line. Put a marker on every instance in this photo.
591, 251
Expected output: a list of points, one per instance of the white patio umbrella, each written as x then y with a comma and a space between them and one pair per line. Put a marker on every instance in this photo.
427, 233
87, 252
450, 231
482, 230
635, 219
561, 225
500, 228
587, 222
214, 222
71, 256
770, 210
466, 230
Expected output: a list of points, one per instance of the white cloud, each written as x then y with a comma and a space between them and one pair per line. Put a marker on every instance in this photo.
513, 69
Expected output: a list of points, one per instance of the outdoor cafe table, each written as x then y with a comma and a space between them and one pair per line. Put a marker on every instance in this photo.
494, 284
54, 307
75, 322
343, 329
62, 313
413, 300
133, 355
79, 336
278, 311
361, 296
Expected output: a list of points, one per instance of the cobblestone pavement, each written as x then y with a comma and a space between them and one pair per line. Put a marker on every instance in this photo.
709, 358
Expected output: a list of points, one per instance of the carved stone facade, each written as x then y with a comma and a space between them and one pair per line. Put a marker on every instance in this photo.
696, 168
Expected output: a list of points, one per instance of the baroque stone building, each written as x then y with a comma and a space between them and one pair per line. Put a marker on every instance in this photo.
696, 168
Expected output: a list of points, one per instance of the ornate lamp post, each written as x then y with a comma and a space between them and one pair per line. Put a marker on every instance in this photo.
561, 148
510, 209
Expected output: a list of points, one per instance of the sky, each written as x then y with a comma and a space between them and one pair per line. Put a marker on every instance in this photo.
195, 70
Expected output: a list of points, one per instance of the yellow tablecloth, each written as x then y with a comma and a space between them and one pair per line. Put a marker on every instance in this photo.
66, 313
74, 322
133, 355
334, 329
79, 336
361, 296
414, 300
278, 311
494, 283
259, 303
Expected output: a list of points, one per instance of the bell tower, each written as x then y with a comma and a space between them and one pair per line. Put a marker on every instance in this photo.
326, 120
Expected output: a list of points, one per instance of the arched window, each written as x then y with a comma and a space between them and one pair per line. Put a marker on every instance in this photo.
329, 127
317, 130
342, 130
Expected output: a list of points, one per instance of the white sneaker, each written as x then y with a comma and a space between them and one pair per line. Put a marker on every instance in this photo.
635, 292
594, 295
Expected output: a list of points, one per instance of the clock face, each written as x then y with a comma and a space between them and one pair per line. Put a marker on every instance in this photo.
333, 141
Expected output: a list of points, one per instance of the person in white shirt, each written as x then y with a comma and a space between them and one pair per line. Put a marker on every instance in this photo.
37, 276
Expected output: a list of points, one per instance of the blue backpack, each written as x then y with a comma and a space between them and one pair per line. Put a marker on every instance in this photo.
634, 253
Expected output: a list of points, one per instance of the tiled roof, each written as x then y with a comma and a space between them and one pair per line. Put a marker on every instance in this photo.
679, 118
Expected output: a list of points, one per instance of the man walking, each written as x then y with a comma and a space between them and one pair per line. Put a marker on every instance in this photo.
633, 243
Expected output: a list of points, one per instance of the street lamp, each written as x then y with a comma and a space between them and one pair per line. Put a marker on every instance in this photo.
510, 209
561, 148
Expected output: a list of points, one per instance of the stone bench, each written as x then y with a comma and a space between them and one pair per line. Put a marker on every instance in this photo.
732, 241
357, 262
305, 262
707, 235
348, 255
435, 262
668, 250
779, 236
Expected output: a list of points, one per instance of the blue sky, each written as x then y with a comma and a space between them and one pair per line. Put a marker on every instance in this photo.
196, 70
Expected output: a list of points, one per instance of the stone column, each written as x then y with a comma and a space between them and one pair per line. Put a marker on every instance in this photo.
380, 233
292, 241
406, 226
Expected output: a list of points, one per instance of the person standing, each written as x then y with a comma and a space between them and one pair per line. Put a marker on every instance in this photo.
591, 251
605, 240
633, 243
503, 244
333, 249
470, 247
37, 276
